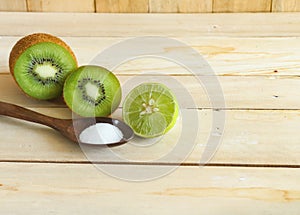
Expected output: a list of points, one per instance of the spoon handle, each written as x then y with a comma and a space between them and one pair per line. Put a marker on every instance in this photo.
18, 112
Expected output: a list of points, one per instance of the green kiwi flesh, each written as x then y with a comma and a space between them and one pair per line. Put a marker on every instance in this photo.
92, 91
40, 69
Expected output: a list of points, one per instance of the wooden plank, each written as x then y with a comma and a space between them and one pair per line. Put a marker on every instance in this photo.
227, 56
241, 6
251, 137
122, 6
34, 141
180, 6
82, 189
239, 92
167, 6
9, 5
61, 6
285, 6
173, 25
194, 6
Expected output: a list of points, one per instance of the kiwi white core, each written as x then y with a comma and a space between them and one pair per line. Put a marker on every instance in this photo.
92, 91
149, 107
46, 70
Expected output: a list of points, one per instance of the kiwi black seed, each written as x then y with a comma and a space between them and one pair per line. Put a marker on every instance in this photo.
92, 91
40, 63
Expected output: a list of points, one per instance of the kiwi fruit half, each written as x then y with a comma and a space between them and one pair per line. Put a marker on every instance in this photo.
40, 64
92, 91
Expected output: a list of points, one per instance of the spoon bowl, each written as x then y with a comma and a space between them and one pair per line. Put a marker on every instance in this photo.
70, 128
80, 124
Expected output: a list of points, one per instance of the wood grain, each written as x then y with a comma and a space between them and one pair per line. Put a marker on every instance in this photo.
122, 6
180, 6
61, 6
251, 137
285, 6
239, 92
241, 6
227, 56
194, 6
167, 6
255, 169
173, 25
154, 6
53, 188
9, 5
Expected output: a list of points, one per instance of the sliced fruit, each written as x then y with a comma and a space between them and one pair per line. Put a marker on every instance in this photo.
40, 64
150, 109
92, 91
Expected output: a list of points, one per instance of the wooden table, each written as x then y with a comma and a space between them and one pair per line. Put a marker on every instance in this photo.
255, 170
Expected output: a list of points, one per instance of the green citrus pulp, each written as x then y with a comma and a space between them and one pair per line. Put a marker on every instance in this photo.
150, 109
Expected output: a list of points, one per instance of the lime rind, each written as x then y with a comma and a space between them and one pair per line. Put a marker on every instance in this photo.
151, 109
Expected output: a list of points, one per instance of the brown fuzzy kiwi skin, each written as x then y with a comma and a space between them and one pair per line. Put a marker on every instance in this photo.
31, 40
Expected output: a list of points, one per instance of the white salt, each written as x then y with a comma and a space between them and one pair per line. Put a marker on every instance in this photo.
101, 133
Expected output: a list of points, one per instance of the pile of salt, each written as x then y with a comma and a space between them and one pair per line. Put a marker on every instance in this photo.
101, 133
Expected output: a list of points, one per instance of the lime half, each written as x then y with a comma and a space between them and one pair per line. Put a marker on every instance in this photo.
150, 109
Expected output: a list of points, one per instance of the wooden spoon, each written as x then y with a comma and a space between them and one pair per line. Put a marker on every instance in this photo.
70, 128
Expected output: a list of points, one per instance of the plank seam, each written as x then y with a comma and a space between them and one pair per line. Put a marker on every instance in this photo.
271, 9
27, 7
190, 75
95, 6
293, 166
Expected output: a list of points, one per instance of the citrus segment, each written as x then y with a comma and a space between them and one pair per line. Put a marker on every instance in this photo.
151, 110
